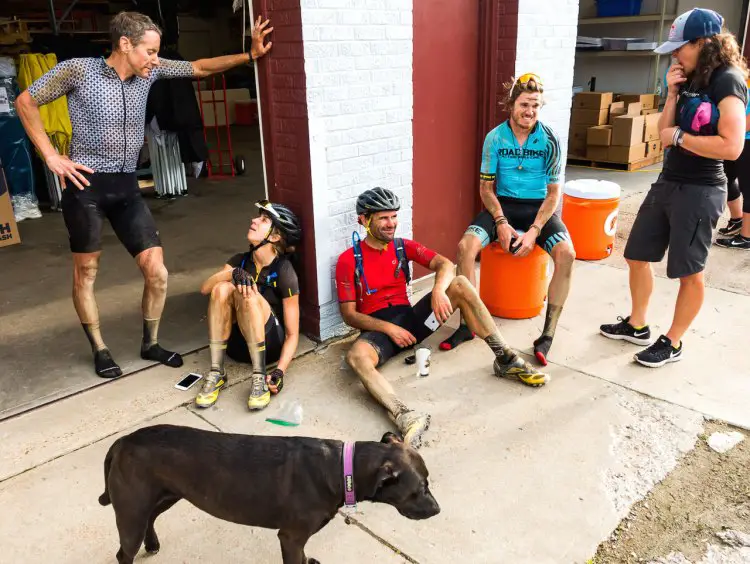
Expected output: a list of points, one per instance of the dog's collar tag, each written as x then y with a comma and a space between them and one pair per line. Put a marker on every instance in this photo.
350, 497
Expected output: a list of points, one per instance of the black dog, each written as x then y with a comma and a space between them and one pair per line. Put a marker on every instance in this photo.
294, 484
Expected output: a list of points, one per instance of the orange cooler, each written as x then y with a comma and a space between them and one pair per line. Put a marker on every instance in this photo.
589, 211
513, 287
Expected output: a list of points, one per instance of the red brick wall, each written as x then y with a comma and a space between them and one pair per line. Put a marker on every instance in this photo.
497, 63
283, 94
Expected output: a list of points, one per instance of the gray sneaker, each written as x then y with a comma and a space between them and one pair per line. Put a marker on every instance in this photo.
412, 426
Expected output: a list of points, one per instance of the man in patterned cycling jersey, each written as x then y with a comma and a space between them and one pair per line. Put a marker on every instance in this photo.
107, 104
520, 189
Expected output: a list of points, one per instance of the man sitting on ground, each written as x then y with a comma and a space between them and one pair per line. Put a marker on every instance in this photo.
371, 281
519, 186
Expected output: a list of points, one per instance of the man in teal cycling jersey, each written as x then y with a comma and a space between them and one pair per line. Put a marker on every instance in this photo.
520, 189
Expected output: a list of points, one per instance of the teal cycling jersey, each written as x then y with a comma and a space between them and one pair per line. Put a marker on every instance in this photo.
521, 172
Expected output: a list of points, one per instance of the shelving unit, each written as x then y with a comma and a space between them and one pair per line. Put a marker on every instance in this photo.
659, 19
616, 54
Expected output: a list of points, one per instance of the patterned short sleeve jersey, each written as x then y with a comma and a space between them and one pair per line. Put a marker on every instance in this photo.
107, 114
521, 172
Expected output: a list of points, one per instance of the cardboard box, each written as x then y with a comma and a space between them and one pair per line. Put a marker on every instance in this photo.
633, 109
590, 117
577, 140
617, 154
653, 149
649, 112
597, 153
592, 100
9, 234
616, 109
600, 135
628, 131
651, 127
648, 101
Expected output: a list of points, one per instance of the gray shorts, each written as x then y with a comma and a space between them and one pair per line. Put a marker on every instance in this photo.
681, 217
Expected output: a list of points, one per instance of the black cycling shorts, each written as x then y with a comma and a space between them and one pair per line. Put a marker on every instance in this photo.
117, 198
237, 345
411, 318
680, 217
520, 215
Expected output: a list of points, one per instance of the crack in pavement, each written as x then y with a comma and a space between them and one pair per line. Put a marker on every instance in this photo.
349, 520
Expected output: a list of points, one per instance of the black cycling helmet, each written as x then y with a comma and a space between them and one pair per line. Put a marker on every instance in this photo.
377, 200
283, 219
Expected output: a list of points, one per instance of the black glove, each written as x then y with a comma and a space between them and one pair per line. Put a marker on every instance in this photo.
241, 277
276, 378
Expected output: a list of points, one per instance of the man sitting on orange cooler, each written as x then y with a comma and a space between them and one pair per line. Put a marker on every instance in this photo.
520, 188
371, 281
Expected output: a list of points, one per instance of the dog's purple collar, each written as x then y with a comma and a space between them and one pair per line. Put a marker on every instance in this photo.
350, 498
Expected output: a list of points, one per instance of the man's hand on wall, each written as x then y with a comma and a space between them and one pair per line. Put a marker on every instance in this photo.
257, 50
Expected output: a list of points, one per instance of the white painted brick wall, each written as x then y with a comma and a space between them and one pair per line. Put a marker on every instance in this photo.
358, 63
547, 32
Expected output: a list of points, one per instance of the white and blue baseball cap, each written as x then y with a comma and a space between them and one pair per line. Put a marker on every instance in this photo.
693, 24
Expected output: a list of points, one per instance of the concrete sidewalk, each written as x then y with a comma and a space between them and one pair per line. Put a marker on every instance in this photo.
522, 475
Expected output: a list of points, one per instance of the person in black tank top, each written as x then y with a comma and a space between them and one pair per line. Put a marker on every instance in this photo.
703, 123
253, 312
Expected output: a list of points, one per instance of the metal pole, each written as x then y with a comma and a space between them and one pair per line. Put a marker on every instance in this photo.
52, 18
66, 13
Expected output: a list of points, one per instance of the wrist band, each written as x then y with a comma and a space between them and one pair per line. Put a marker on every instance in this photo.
501, 220
676, 135
538, 229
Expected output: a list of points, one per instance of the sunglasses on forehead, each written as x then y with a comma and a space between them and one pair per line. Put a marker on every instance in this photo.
524, 79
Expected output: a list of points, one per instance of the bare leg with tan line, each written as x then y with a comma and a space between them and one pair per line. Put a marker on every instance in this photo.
363, 358
85, 268
220, 317
464, 297
252, 313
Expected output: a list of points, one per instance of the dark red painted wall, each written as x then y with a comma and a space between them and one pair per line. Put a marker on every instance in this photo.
458, 80
286, 140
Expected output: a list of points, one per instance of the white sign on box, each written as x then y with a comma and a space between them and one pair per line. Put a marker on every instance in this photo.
4, 101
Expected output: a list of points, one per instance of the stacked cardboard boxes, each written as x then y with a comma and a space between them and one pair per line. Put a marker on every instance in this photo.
617, 129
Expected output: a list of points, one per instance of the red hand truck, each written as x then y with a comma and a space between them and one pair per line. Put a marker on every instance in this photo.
234, 165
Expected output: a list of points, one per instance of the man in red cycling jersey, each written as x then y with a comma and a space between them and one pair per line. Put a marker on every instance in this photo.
371, 281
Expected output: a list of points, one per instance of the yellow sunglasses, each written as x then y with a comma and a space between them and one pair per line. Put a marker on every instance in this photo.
524, 79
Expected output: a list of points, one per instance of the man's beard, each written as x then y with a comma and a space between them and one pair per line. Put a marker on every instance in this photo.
519, 125
382, 237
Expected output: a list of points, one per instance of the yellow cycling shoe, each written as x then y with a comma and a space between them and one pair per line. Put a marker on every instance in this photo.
518, 369
260, 395
212, 385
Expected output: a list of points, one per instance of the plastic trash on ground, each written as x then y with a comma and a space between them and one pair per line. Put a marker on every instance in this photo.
289, 414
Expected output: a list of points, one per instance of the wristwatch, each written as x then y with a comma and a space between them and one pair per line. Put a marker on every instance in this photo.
680, 138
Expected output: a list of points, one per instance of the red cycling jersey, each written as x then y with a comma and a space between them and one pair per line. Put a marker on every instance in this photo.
380, 268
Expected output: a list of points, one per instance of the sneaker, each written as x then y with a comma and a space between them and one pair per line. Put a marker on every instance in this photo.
412, 426
33, 212
624, 331
733, 227
737, 242
260, 395
519, 369
659, 354
212, 385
